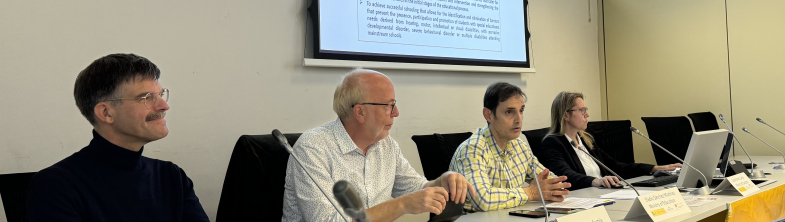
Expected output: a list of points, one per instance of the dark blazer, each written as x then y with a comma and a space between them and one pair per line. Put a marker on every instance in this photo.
561, 158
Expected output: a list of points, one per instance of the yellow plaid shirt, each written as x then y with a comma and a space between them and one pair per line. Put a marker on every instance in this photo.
499, 177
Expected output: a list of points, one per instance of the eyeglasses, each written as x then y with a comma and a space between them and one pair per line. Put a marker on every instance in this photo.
392, 106
583, 110
149, 99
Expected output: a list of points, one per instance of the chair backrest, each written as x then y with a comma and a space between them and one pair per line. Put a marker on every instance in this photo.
535, 137
673, 133
254, 184
615, 138
436, 151
13, 188
704, 121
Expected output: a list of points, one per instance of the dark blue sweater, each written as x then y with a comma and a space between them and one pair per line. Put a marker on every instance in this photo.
105, 182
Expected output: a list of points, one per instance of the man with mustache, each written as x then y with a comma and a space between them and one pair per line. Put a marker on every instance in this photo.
109, 179
357, 147
498, 163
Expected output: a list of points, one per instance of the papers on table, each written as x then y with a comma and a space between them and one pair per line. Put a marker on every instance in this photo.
766, 182
625, 194
580, 203
694, 201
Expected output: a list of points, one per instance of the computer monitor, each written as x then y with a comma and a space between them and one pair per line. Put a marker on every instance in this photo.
725, 154
704, 151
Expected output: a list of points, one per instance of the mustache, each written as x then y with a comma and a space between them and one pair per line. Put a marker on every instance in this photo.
156, 116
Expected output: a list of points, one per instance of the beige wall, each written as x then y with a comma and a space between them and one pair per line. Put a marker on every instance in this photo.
234, 68
668, 58
757, 51
664, 58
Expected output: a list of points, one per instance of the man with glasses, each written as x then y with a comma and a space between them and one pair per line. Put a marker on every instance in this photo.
498, 163
357, 147
109, 179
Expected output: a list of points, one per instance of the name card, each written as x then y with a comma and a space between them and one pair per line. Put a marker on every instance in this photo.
740, 182
659, 206
597, 214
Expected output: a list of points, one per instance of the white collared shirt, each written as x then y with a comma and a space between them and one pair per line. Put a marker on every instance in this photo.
330, 155
591, 167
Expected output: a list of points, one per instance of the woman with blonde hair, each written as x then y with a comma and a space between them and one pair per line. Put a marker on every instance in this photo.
569, 118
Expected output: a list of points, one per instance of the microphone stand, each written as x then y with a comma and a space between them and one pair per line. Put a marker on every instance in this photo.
542, 198
775, 129
779, 166
761, 121
755, 174
347, 197
702, 191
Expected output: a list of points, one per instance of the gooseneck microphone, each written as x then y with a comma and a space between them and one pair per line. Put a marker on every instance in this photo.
703, 191
761, 121
542, 198
574, 144
780, 166
285, 143
759, 173
351, 202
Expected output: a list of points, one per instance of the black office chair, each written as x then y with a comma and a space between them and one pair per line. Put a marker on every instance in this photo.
535, 137
704, 121
673, 133
615, 138
436, 151
254, 184
13, 188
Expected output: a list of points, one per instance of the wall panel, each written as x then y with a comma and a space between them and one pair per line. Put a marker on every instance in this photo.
757, 51
664, 58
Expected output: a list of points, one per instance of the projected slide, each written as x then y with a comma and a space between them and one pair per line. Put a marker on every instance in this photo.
457, 29
437, 24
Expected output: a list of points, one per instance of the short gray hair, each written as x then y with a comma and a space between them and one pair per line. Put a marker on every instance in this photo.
349, 92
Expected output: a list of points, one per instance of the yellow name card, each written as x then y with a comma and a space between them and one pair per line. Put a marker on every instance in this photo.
659, 206
740, 182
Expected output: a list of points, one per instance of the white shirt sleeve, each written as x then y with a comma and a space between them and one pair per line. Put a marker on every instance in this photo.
407, 180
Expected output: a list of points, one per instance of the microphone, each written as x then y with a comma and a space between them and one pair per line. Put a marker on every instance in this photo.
348, 199
759, 173
542, 198
574, 144
285, 143
703, 191
761, 121
780, 166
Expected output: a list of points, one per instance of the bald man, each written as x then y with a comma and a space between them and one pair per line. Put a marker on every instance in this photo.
357, 147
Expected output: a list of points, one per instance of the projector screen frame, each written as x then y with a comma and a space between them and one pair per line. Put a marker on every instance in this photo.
312, 12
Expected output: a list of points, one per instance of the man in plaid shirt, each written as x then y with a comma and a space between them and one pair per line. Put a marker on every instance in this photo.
498, 163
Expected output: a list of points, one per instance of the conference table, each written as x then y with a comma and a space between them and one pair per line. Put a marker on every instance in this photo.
619, 210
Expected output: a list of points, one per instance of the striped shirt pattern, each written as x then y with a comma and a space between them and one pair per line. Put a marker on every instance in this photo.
499, 177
